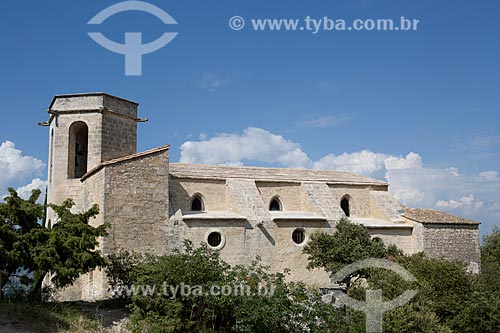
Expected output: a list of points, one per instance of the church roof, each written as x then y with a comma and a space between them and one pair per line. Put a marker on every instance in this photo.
204, 171
435, 217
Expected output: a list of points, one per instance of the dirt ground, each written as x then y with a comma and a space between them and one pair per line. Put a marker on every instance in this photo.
113, 321
7, 325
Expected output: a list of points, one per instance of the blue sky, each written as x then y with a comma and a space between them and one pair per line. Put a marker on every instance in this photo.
353, 100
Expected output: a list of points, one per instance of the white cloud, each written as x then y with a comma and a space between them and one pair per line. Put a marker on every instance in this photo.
365, 162
489, 175
411, 182
465, 202
25, 191
368, 163
410, 161
255, 144
16, 168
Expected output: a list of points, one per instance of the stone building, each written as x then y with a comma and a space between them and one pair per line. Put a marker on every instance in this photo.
152, 205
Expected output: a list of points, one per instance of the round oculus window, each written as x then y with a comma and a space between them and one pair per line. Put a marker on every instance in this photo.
214, 239
298, 236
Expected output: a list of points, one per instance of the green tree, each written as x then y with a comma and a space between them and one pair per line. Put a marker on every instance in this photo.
18, 218
66, 251
287, 307
69, 249
413, 317
350, 243
443, 287
490, 261
481, 310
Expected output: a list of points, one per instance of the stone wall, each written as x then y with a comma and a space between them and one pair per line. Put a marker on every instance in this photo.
120, 105
93, 194
93, 101
119, 136
259, 228
77, 102
359, 198
133, 198
322, 200
60, 185
384, 206
259, 235
401, 237
289, 195
243, 243
212, 192
287, 254
136, 203
233, 232
453, 241
110, 135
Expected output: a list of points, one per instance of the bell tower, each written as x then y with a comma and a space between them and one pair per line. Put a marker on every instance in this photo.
86, 130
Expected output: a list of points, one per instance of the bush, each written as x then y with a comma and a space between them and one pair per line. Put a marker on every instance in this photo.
285, 307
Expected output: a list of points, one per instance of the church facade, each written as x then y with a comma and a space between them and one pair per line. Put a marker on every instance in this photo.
152, 205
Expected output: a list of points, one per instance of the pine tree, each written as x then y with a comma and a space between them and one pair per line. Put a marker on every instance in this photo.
67, 250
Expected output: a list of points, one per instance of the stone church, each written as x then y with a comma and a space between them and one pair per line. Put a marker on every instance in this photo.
152, 205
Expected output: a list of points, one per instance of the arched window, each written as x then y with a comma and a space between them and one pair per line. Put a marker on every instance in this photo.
344, 204
275, 204
197, 203
78, 149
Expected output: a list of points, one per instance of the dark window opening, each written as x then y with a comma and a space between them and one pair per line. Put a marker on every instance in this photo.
298, 236
344, 204
214, 239
78, 150
275, 205
196, 204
